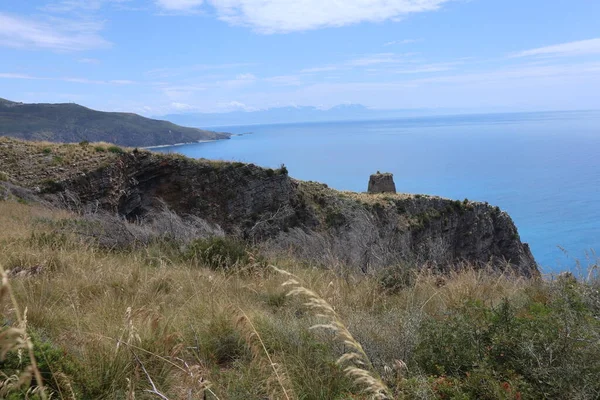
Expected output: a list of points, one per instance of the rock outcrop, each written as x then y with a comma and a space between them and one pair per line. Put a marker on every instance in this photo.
262, 205
381, 183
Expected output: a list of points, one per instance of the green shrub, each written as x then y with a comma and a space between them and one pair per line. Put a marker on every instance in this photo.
218, 253
219, 342
84, 143
3, 176
549, 346
334, 218
283, 170
116, 150
395, 278
51, 361
46, 150
99, 149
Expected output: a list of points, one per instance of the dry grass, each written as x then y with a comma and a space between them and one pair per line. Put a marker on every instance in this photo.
184, 334
358, 366
31, 163
17, 339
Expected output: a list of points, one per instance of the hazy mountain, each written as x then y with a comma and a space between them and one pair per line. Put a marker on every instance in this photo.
278, 115
74, 123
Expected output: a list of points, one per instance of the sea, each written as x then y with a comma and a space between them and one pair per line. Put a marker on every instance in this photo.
542, 168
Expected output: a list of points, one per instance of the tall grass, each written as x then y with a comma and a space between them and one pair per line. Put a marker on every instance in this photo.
145, 321
15, 340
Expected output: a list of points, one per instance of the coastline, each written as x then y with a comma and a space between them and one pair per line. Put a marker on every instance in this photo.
179, 144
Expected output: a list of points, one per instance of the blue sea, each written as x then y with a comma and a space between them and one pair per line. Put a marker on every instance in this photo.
542, 168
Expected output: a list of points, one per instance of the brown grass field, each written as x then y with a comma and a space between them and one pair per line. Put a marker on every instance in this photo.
160, 322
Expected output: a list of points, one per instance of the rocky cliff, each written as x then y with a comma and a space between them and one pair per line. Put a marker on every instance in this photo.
267, 206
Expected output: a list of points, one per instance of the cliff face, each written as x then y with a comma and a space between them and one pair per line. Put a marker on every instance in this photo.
261, 205
324, 226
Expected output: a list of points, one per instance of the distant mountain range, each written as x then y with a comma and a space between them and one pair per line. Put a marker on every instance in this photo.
278, 115
71, 122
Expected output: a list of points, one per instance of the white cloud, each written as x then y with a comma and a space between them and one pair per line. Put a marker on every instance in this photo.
179, 5
282, 16
319, 69
65, 6
54, 34
89, 61
374, 59
534, 85
193, 69
429, 68
284, 80
10, 75
122, 82
239, 81
235, 105
525, 72
182, 106
405, 41
366, 60
182, 92
582, 47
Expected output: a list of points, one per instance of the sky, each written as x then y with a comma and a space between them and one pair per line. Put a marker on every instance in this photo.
156, 57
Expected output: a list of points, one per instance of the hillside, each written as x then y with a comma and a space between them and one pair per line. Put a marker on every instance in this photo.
142, 275
264, 205
72, 123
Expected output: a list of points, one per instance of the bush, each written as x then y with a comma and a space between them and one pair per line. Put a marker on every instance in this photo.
334, 218
549, 346
3, 176
115, 150
46, 150
99, 149
218, 253
84, 143
51, 361
219, 342
395, 278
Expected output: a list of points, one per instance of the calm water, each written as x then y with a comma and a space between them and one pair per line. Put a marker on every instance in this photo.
543, 168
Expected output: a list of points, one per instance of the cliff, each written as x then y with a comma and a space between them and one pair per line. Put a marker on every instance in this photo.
267, 206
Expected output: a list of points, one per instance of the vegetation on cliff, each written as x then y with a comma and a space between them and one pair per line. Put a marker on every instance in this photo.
72, 123
176, 310
258, 205
128, 274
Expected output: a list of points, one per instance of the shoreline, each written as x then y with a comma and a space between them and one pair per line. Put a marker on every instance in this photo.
179, 144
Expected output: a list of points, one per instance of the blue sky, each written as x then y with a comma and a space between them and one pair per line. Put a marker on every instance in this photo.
162, 56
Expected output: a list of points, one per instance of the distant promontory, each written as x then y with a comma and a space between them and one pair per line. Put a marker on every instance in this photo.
69, 122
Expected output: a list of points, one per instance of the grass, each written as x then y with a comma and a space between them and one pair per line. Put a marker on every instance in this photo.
154, 322
30, 163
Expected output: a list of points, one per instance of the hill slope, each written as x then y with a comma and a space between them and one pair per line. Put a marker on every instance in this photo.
366, 232
75, 123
